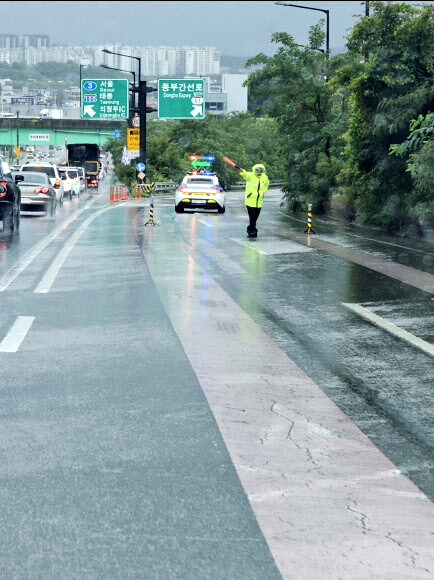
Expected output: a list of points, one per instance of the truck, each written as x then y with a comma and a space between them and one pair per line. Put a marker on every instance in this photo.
85, 155
51, 113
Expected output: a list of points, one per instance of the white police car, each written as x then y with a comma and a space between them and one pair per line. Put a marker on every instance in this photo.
200, 191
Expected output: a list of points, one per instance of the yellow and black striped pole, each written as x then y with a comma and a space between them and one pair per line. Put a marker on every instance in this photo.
150, 221
309, 229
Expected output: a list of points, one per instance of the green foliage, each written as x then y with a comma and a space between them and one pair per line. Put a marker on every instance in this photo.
418, 150
240, 136
352, 133
293, 87
389, 86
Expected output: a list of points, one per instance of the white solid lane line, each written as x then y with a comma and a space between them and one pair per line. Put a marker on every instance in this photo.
16, 270
391, 328
17, 333
45, 284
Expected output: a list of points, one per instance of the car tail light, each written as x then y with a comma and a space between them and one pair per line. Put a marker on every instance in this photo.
216, 190
3, 188
181, 189
42, 190
57, 183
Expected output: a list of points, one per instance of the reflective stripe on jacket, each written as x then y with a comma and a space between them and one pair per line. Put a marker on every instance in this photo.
256, 186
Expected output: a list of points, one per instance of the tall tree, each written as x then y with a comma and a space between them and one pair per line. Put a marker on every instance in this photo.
391, 83
293, 87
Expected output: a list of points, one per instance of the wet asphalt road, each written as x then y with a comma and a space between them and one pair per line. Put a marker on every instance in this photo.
381, 382
103, 454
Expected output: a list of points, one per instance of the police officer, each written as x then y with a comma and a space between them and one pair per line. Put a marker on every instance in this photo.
256, 185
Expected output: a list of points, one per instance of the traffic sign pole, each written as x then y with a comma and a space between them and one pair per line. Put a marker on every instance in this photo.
142, 114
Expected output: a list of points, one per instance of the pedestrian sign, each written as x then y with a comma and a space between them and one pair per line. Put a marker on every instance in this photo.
104, 99
181, 98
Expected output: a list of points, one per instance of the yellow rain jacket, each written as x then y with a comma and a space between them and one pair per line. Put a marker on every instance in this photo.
256, 186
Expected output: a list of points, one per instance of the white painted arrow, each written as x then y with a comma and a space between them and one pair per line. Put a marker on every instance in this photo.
197, 110
88, 110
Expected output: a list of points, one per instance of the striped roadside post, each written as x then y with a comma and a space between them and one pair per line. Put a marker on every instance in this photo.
309, 229
150, 221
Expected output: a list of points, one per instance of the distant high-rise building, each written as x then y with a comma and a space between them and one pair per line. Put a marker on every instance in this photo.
155, 60
9, 41
35, 41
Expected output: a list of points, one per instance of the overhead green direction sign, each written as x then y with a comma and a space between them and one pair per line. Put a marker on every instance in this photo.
181, 98
104, 99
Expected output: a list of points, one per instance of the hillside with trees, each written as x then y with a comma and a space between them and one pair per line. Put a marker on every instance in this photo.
352, 134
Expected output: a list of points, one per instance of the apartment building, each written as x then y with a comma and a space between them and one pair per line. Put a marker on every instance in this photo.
155, 60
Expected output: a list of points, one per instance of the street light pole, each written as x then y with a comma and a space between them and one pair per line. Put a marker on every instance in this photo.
142, 109
326, 12
82, 66
17, 150
133, 90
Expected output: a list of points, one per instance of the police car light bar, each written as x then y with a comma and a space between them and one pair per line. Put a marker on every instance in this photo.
202, 157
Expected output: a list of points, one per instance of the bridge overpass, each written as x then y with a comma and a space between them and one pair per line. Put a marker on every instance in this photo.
34, 131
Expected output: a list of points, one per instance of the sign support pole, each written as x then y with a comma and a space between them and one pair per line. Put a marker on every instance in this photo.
142, 113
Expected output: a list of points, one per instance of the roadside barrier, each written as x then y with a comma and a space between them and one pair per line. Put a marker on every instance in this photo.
140, 188
118, 193
309, 229
150, 221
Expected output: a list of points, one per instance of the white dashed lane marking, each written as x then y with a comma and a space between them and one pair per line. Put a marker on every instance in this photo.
17, 333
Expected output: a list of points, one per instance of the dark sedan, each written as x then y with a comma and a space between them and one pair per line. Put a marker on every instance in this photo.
9, 198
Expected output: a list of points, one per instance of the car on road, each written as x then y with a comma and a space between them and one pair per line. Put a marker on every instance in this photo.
10, 198
71, 181
36, 191
81, 177
200, 190
53, 175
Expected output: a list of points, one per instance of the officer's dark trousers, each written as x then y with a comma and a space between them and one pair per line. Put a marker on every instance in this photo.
253, 216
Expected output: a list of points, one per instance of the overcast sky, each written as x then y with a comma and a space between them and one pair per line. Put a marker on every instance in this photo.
235, 28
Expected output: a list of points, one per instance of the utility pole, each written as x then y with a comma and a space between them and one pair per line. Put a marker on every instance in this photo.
142, 89
366, 16
326, 12
17, 150
143, 109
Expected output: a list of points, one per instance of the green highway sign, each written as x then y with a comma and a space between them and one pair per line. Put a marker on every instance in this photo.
104, 99
197, 164
181, 98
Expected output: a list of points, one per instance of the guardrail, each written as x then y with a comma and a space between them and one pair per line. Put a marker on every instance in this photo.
166, 185
172, 185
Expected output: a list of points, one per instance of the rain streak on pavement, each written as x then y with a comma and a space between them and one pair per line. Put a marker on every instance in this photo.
180, 401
